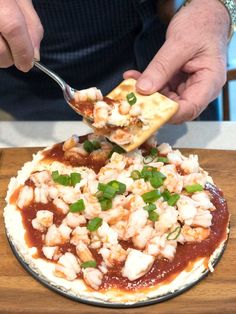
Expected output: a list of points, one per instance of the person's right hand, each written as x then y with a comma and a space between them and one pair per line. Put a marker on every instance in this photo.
20, 34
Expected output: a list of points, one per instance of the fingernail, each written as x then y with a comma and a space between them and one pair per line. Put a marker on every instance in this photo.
36, 54
145, 84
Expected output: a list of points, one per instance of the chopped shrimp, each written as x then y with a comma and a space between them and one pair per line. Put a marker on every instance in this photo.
52, 192
107, 234
140, 240
95, 241
140, 187
65, 232
43, 220
70, 142
175, 157
173, 181
61, 205
41, 177
164, 148
135, 110
195, 178
91, 93
92, 206
68, 194
187, 209
190, 165
93, 277
137, 264
74, 219
137, 220
76, 155
166, 219
120, 228
83, 252
203, 218
202, 201
51, 252
197, 234
100, 114
53, 236
135, 202
103, 268
25, 197
117, 161
67, 267
114, 254
121, 137
80, 234
124, 107
159, 245
41, 195
114, 215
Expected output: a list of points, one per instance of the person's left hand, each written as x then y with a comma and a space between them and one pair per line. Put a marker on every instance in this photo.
190, 67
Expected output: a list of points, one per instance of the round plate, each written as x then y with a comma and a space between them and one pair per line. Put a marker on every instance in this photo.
110, 304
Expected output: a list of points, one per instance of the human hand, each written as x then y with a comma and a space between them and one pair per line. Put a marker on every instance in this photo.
20, 34
190, 67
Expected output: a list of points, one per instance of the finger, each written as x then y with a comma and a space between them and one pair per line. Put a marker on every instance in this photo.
131, 74
34, 25
169, 59
5, 54
14, 31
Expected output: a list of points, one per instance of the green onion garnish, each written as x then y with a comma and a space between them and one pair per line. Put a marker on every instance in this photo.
105, 203
89, 264
131, 98
163, 159
153, 216
91, 146
173, 199
150, 207
147, 172
109, 192
116, 149
174, 234
148, 159
194, 188
135, 175
156, 181
96, 145
151, 197
94, 224
166, 195
62, 179
154, 151
77, 206
119, 186
75, 178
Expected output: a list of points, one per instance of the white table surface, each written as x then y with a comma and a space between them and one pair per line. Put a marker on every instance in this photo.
211, 135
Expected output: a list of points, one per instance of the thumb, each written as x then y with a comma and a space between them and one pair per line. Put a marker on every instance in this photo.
34, 25
169, 59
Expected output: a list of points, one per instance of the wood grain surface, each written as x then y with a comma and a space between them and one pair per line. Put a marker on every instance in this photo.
20, 293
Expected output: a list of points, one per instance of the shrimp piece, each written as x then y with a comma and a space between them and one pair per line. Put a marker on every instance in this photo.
159, 245
124, 107
197, 234
137, 220
195, 178
121, 137
190, 165
140, 240
164, 148
114, 215
166, 219
93, 277
103, 268
187, 209
202, 201
74, 219
80, 234
53, 192
53, 236
43, 220
41, 195
140, 187
50, 252
117, 161
76, 155
114, 254
65, 232
175, 157
67, 267
203, 218
173, 181
135, 202
100, 114
137, 264
68, 194
70, 142
61, 205
41, 177
83, 252
135, 110
95, 241
107, 234
120, 228
92, 206
25, 197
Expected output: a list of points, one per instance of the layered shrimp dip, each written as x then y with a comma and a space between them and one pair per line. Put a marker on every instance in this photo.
111, 117
106, 225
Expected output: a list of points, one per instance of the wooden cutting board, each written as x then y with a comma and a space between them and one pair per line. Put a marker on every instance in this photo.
20, 293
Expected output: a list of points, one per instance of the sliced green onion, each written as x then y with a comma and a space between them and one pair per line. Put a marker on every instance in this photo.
148, 159
55, 175
174, 234
147, 172
119, 186
89, 264
151, 197
160, 174
156, 181
150, 207
75, 178
163, 159
135, 175
116, 149
62, 179
194, 188
88, 146
153, 216
109, 192
105, 204
131, 98
96, 145
77, 206
101, 187
94, 224
154, 151
166, 195
173, 199
99, 194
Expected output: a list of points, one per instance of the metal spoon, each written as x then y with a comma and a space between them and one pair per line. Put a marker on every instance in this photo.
68, 91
